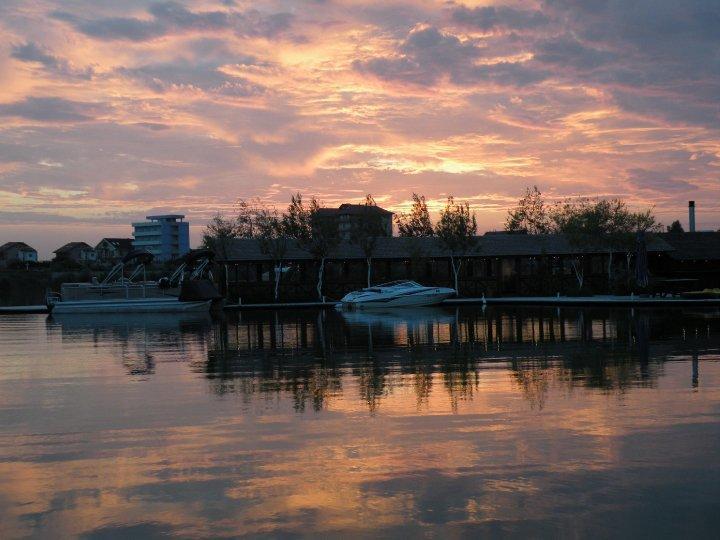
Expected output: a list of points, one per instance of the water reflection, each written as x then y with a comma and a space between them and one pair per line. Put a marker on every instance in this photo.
443, 422
134, 335
306, 354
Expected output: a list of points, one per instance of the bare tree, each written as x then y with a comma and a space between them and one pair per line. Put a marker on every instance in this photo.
219, 234
456, 231
366, 230
318, 236
271, 235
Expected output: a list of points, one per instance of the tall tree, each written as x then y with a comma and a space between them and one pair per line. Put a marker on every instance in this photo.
318, 236
219, 234
456, 230
605, 224
530, 215
366, 229
296, 221
273, 240
323, 239
675, 227
247, 212
417, 222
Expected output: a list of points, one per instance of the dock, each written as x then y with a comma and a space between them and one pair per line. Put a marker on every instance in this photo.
11, 310
556, 301
576, 301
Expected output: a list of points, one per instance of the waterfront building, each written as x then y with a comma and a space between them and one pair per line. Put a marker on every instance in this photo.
17, 251
165, 236
348, 216
79, 252
111, 250
499, 264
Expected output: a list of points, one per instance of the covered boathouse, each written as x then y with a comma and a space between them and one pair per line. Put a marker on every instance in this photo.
499, 264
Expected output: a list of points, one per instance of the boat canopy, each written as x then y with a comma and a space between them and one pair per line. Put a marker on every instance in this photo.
198, 254
142, 255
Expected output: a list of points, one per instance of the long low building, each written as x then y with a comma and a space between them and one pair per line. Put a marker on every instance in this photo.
497, 264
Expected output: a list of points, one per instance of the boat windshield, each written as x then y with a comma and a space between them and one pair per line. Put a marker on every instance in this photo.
400, 282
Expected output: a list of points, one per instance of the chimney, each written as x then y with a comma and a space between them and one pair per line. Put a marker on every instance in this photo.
691, 216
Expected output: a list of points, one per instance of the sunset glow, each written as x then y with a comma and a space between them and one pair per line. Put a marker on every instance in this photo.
113, 110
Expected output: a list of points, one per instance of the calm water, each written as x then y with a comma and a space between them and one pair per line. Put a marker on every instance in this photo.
525, 422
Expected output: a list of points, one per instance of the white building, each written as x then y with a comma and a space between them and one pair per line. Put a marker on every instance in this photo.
165, 236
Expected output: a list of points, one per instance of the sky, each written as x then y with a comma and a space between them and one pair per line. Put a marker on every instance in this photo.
110, 111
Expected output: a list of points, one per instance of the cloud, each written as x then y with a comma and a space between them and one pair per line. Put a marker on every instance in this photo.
567, 51
52, 109
657, 181
186, 74
502, 17
428, 55
172, 17
32, 52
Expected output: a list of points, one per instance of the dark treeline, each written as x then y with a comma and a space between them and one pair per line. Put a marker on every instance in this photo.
606, 224
456, 229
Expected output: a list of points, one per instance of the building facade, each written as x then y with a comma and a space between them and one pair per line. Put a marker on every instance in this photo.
349, 216
167, 236
497, 265
17, 251
111, 250
79, 252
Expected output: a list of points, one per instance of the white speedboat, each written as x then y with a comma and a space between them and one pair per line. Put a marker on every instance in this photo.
187, 290
396, 294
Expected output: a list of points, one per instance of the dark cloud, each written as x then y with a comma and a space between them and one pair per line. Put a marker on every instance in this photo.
32, 52
173, 17
185, 74
567, 51
657, 181
428, 55
114, 28
491, 17
425, 56
52, 109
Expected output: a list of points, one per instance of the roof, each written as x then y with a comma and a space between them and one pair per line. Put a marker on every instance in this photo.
488, 245
352, 210
693, 246
358, 209
120, 243
166, 216
22, 246
70, 246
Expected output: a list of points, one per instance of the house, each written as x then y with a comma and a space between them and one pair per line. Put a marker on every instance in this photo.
165, 236
80, 252
694, 256
348, 216
111, 250
17, 251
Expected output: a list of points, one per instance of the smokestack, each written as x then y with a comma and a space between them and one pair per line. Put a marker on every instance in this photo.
691, 216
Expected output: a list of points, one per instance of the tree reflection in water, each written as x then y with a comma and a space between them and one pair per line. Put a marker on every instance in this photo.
316, 356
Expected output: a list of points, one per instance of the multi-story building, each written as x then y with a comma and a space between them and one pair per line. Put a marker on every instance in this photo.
165, 236
349, 216
17, 251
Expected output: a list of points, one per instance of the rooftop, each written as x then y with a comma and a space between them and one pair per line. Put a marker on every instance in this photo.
70, 246
22, 246
165, 216
488, 245
693, 246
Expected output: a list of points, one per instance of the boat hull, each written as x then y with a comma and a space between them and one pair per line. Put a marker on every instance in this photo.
142, 305
428, 298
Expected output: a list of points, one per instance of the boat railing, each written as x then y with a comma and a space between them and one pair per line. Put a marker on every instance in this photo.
126, 289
